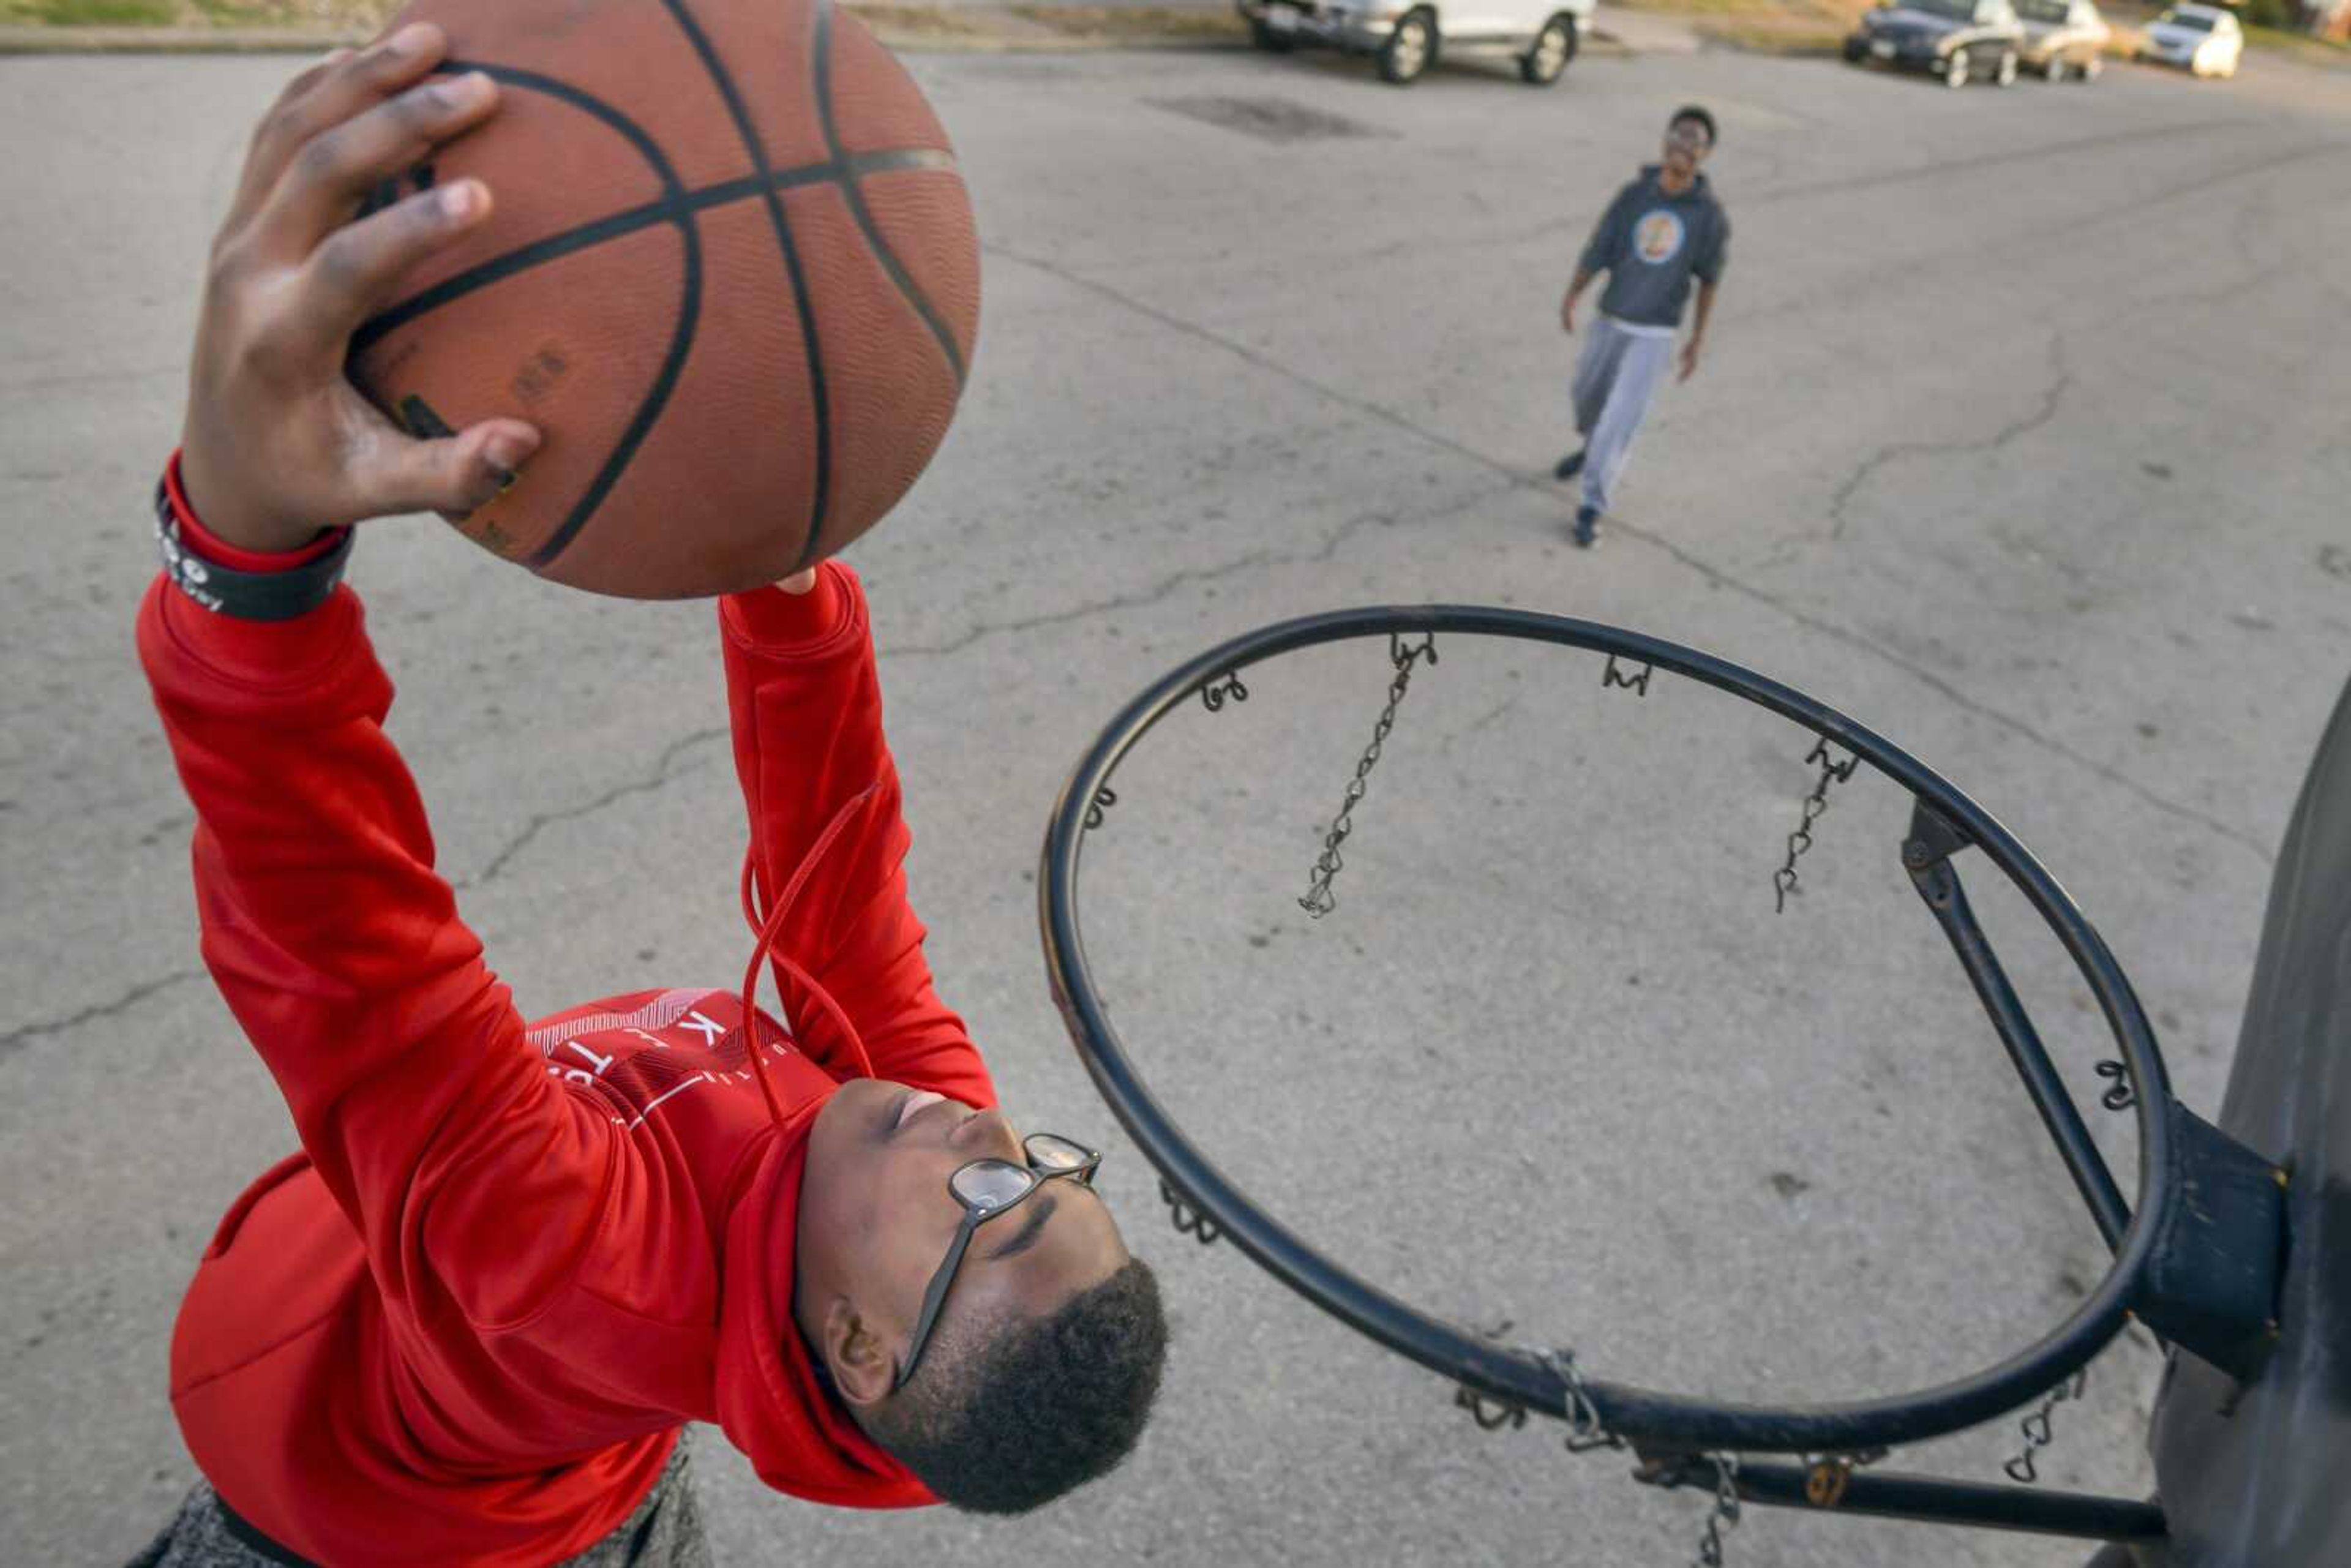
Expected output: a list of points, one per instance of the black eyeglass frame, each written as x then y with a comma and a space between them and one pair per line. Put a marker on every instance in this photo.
934, 1295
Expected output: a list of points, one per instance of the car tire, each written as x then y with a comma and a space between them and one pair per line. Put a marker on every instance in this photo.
1854, 52
1271, 42
1409, 49
2007, 73
1549, 55
1955, 70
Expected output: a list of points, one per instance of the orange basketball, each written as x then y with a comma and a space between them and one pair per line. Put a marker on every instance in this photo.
731, 275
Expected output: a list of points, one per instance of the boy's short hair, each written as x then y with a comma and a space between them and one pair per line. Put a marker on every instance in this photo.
1005, 1417
1693, 112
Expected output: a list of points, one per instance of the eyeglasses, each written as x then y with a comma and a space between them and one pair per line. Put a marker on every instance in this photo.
988, 1189
1689, 133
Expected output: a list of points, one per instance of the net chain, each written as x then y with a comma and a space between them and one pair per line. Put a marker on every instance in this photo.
1724, 1515
1188, 1217
1783, 881
1319, 900
1217, 693
1585, 1429
2119, 1095
1613, 676
1826, 1479
2036, 1427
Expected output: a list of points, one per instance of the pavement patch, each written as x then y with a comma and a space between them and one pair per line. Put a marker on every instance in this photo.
1267, 119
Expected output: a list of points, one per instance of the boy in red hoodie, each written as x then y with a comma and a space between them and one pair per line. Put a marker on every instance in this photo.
468, 1321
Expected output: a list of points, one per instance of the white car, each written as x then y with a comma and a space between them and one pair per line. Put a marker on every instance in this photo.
2064, 38
1406, 35
2203, 38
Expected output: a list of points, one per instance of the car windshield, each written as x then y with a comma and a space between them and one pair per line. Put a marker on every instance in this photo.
1957, 10
2199, 21
2042, 10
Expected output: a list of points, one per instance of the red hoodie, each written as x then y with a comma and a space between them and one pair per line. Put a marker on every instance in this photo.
465, 1322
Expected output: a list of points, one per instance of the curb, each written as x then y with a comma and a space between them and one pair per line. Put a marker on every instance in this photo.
991, 31
24, 40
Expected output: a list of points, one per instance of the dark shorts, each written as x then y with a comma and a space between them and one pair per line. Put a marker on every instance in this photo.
665, 1532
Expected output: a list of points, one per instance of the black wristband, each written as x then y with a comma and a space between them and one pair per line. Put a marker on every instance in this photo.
245, 595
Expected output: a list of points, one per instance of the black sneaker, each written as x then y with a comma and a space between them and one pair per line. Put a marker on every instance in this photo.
1587, 526
1570, 465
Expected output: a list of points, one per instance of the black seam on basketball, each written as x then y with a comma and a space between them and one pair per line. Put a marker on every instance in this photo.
856, 199
633, 220
818, 409
689, 306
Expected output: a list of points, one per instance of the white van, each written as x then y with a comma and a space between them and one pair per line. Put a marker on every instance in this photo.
1406, 35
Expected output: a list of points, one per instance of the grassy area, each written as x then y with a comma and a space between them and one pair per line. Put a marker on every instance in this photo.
1136, 21
919, 21
893, 20
1770, 26
2302, 46
1767, 26
1815, 27
347, 15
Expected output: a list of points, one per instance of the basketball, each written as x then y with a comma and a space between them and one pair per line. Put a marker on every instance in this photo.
731, 275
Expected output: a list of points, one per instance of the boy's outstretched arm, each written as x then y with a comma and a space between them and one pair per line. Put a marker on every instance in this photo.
805, 703
332, 937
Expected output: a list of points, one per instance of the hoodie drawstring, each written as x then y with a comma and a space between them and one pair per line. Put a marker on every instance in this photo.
770, 929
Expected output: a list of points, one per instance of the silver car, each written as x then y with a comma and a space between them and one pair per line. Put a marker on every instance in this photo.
2204, 39
1404, 36
2063, 37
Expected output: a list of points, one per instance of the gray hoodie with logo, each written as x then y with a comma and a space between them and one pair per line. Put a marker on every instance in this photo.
1651, 244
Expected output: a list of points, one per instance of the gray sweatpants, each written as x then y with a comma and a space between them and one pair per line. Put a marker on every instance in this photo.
1617, 376
664, 1530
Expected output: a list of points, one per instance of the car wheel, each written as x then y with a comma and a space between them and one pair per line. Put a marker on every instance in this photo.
1955, 70
1854, 52
1553, 47
1406, 53
2007, 77
1273, 43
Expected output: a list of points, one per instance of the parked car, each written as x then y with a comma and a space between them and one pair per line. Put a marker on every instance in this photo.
1957, 40
2204, 39
1405, 35
2063, 37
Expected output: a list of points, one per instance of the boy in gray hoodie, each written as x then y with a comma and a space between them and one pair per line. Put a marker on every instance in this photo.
1662, 230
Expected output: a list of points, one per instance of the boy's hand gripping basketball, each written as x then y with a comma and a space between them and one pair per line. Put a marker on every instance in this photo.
278, 443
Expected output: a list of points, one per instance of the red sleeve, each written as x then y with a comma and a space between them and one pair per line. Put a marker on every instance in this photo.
339, 950
805, 701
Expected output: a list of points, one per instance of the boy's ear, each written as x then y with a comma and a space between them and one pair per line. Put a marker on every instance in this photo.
862, 1366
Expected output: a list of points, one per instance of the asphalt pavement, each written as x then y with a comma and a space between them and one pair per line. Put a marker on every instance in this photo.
2020, 441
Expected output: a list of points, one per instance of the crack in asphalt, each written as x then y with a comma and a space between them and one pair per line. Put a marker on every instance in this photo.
2037, 153
1516, 480
49, 381
2051, 399
1167, 585
1764, 195
664, 770
1958, 698
2001, 246
17, 1039
1273, 367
